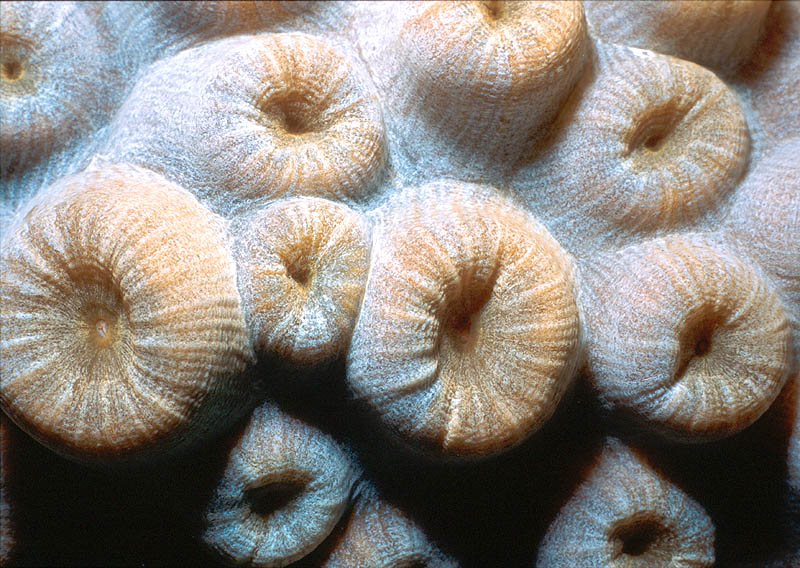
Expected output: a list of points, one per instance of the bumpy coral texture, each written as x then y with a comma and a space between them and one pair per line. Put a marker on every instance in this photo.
379, 534
652, 145
627, 515
263, 117
469, 334
59, 84
303, 263
700, 344
718, 34
479, 78
284, 488
469, 234
122, 325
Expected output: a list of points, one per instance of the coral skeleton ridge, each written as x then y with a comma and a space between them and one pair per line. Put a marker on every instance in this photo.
367, 267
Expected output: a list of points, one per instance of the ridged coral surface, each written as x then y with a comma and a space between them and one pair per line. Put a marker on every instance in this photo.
285, 487
400, 284
303, 263
469, 333
626, 515
698, 346
123, 330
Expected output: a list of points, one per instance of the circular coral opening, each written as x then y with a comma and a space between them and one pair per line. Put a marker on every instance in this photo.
295, 115
294, 123
653, 130
695, 342
265, 499
102, 325
493, 10
299, 271
11, 70
637, 538
102, 328
463, 322
639, 541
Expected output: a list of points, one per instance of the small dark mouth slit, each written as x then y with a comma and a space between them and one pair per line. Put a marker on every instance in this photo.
638, 538
11, 70
272, 497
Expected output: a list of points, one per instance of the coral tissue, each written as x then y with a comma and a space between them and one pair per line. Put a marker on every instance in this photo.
358, 284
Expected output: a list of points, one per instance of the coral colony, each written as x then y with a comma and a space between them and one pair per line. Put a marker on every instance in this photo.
394, 284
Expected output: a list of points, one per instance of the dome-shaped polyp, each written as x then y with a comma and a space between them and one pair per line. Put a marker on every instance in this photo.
626, 515
685, 336
284, 489
479, 78
255, 118
123, 332
469, 333
302, 267
653, 144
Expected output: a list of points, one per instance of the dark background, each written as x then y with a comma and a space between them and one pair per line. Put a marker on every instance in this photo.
488, 513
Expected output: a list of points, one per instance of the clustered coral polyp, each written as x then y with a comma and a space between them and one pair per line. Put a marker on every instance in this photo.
457, 213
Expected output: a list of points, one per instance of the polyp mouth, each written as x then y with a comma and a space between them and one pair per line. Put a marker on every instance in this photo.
11, 70
102, 327
295, 115
493, 10
695, 342
654, 129
463, 321
300, 272
637, 538
270, 497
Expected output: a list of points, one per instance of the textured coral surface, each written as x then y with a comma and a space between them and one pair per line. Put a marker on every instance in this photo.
394, 284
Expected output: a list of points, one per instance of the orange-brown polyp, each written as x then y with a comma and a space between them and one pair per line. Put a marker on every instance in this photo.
123, 334
686, 336
59, 84
482, 77
271, 116
320, 130
42, 105
468, 334
303, 265
653, 144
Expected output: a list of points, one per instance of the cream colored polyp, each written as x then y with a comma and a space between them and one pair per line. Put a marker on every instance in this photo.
469, 332
123, 333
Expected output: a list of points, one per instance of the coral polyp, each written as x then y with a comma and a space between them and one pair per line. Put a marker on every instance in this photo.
303, 265
111, 349
466, 66
284, 489
653, 145
469, 334
627, 515
698, 345
269, 116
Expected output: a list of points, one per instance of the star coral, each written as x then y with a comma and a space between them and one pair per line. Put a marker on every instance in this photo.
509, 232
